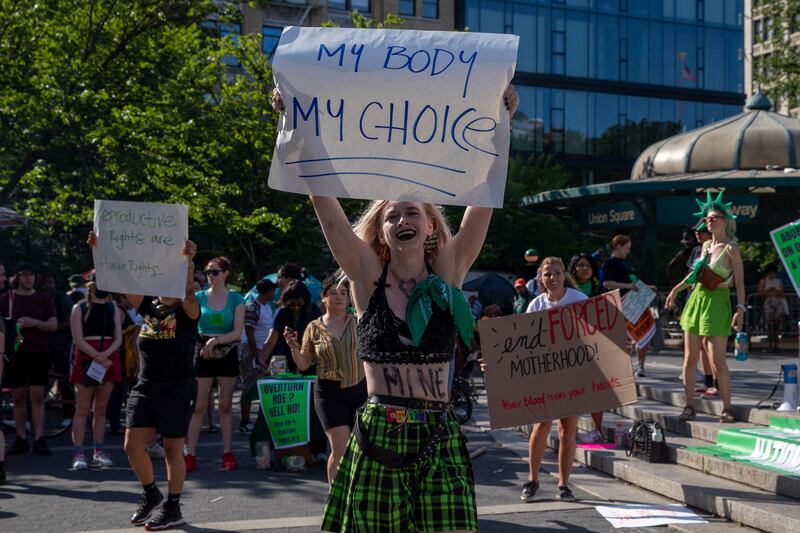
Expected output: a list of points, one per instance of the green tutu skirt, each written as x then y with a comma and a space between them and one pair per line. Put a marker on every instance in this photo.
708, 313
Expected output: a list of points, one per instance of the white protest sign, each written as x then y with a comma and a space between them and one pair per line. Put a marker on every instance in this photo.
393, 114
635, 302
139, 247
624, 515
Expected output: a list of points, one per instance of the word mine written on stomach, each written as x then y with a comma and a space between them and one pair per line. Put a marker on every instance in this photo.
139, 247
393, 114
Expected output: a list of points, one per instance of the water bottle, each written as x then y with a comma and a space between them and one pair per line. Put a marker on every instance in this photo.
619, 435
263, 455
294, 463
742, 343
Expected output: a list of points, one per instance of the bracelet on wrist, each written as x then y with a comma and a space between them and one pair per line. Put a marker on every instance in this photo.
742, 307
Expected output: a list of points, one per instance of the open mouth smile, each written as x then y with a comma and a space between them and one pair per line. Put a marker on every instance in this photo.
406, 234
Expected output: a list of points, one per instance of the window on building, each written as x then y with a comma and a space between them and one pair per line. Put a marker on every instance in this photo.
757, 25
559, 45
362, 6
227, 30
430, 9
407, 8
270, 35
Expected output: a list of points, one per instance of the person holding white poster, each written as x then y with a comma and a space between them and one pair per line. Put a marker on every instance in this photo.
162, 401
405, 268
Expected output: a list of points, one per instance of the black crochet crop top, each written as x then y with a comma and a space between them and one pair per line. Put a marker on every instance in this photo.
384, 338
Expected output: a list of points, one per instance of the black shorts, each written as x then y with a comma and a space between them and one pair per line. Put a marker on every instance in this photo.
26, 369
336, 406
166, 406
225, 367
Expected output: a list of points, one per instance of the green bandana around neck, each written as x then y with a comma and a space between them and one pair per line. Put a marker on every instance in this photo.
419, 309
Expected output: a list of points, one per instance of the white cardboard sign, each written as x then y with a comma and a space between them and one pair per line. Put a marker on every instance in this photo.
635, 302
139, 247
393, 114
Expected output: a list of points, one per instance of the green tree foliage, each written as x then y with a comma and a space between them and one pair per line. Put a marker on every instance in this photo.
141, 100
514, 229
778, 73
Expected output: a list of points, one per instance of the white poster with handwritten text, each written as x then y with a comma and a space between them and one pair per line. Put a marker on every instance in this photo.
139, 247
393, 114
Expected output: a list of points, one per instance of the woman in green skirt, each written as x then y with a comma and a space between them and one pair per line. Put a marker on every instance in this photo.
706, 319
406, 466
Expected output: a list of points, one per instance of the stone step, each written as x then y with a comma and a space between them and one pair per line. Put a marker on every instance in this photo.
761, 478
732, 500
744, 408
704, 427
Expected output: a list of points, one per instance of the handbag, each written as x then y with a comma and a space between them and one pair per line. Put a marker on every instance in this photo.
218, 351
708, 278
647, 441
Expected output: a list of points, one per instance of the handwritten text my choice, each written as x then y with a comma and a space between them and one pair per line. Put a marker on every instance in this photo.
418, 122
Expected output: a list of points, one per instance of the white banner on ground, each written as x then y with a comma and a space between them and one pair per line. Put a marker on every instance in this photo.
139, 247
393, 114
635, 302
647, 515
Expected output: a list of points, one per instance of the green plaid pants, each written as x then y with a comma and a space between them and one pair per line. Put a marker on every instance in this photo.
438, 494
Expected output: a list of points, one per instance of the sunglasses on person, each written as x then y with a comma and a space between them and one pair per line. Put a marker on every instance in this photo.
713, 218
214, 272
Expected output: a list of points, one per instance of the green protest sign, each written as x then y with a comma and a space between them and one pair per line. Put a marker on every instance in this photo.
775, 448
787, 241
285, 402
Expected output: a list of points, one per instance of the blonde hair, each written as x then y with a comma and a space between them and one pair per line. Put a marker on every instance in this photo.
91, 289
568, 281
368, 229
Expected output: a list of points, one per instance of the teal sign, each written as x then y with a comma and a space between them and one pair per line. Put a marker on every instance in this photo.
611, 216
677, 210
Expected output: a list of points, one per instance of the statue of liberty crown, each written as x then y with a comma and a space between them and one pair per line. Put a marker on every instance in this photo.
715, 204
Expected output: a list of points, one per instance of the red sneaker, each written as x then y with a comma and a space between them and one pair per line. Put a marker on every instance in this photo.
191, 462
229, 462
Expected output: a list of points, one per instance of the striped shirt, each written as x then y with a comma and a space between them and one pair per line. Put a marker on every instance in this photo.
336, 358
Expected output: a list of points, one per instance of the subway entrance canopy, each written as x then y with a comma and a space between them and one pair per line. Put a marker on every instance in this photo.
753, 157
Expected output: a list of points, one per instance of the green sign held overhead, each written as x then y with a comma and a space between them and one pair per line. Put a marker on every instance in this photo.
285, 402
787, 241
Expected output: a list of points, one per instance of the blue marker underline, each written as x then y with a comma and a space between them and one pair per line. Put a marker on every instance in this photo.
376, 159
380, 175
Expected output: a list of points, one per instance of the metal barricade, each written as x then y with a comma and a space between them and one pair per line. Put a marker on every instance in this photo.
754, 318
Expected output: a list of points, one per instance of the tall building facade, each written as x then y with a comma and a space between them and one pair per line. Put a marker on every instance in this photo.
600, 80
270, 21
757, 44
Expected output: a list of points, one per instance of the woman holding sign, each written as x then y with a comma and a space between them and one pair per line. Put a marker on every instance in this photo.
96, 325
405, 269
162, 399
707, 319
221, 326
558, 288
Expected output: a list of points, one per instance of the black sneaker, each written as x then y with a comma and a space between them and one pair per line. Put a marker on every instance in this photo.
529, 491
169, 517
19, 447
40, 447
564, 493
147, 503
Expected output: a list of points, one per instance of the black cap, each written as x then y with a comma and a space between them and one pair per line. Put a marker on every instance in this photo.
25, 266
265, 285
